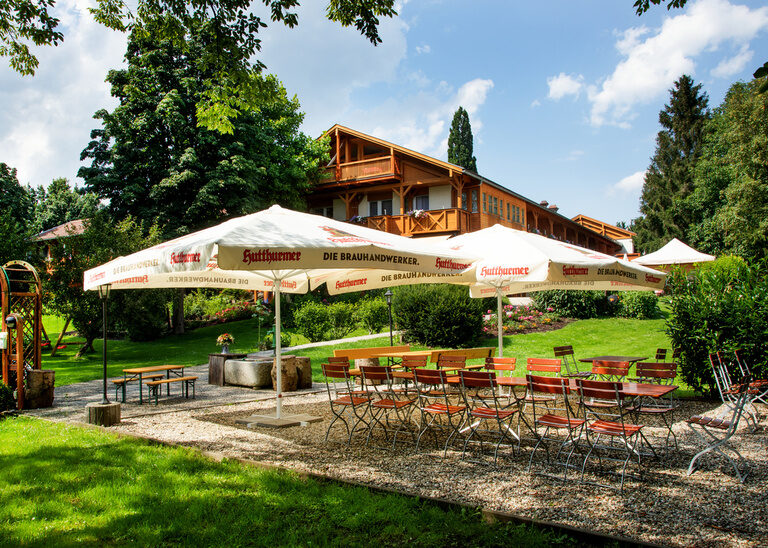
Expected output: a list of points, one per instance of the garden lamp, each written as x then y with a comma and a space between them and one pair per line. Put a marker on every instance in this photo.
104, 295
388, 295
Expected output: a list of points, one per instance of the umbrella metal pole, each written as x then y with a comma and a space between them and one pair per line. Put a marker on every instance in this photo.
278, 354
500, 323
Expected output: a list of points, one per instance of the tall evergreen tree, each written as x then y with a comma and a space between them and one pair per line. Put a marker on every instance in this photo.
669, 179
460, 147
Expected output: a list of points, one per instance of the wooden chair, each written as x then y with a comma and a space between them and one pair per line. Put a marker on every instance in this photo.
758, 385
555, 418
729, 391
657, 373
437, 413
389, 409
345, 362
565, 353
486, 416
346, 405
716, 432
661, 354
610, 371
500, 365
608, 421
451, 362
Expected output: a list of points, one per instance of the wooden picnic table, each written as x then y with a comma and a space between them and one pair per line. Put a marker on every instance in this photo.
137, 373
630, 359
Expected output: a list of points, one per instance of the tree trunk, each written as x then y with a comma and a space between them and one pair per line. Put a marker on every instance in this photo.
87, 347
178, 312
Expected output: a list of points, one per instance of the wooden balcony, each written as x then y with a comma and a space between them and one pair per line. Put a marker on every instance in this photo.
377, 167
436, 221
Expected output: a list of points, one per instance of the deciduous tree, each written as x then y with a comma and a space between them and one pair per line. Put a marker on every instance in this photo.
60, 203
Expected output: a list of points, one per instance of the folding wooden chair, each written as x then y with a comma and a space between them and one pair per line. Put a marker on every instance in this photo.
500, 365
437, 412
451, 362
565, 353
758, 385
409, 363
610, 371
729, 390
555, 418
661, 354
663, 408
719, 431
346, 406
604, 421
390, 410
485, 414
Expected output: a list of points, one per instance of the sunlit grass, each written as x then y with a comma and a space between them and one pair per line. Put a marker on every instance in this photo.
62, 485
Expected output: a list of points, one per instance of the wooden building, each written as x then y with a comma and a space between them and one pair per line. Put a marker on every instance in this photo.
391, 188
622, 236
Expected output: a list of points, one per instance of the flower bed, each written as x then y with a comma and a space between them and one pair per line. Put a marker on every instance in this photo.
523, 319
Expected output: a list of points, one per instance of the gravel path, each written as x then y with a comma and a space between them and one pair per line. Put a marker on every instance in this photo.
709, 508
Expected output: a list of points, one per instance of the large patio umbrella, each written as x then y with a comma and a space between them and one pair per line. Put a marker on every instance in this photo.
512, 261
280, 247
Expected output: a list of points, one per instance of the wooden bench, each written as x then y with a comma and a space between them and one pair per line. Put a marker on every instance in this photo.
370, 352
154, 386
120, 383
469, 353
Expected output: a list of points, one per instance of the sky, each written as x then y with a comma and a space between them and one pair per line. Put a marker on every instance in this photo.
563, 96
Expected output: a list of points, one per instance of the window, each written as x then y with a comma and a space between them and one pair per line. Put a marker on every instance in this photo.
508, 217
475, 205
324, 211
485, 204
420, 202
380, 207
464, 204
522, 217
495, 205
501, 208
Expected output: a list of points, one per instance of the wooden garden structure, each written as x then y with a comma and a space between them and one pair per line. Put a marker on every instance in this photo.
21, 303
391, 188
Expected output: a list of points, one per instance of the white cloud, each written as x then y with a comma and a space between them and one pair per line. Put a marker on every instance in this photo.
423, 49
733, 65
47, 118
572, 156
653, 64
631, 184
535, 103
563, 84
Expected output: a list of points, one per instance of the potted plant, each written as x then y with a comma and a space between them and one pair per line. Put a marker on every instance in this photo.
224, 340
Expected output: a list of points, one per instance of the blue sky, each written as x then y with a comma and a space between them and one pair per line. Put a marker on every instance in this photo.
563, 96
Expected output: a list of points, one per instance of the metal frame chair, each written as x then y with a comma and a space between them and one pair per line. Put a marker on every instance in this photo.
729, 391
556, 418
657, 373
437, 412
602, 422
609, 370
485, 414
566, 354
760, 385
719, 431
345, 404
389, 409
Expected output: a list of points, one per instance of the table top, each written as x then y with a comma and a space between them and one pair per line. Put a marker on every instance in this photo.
152, 368
407, 354
633, 389
630, 359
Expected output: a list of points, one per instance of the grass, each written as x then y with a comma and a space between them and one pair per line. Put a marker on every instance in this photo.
62, 485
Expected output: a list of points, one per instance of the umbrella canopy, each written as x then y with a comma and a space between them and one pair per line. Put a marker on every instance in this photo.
276, 247
674, 252
510, 261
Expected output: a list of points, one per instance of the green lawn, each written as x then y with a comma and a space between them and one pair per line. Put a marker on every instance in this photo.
62, 485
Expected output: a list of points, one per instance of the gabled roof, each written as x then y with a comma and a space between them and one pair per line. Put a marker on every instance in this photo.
607, 227
675, 252
71, 228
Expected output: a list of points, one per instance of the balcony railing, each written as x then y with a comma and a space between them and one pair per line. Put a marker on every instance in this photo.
360, 170
436, 221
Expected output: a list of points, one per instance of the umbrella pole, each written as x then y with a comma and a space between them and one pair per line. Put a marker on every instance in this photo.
500, 323
278, 354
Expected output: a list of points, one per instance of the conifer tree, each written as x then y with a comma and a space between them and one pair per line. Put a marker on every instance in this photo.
669, 179
460, 142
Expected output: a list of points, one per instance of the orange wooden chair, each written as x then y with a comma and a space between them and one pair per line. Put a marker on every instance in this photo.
389, 409
437, 412
346, 405
566, 354
610, 371
663, 408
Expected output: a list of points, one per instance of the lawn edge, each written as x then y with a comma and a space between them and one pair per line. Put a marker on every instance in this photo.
487, 515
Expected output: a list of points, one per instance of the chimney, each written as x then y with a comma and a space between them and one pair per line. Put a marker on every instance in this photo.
554, 208
543, 203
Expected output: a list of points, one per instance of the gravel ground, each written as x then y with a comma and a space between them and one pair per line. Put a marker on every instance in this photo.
665, 506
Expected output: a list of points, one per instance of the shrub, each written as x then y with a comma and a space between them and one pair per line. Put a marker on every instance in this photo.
438, 315
723, 307
143, 315
341, 316
575, 304
312, 320
268, 342
373, 314
7, 401
642, 305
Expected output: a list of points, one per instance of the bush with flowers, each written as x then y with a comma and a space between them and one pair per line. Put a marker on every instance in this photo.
521, 319
205, 307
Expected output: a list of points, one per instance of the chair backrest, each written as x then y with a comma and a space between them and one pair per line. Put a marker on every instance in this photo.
451, 362
741, 362
722, 380
657, 372
468, 353
596, 398
547, 365
501, 364
433, 377
357, 353
338, 360
565, 353
477, 379
336, 370
614, 370
725, 373
411, 362
380, 373
557, 386
661, 354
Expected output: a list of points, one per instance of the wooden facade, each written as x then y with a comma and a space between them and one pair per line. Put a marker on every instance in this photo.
391, 188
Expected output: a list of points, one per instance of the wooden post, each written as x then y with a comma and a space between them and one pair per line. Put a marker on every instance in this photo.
61, 336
